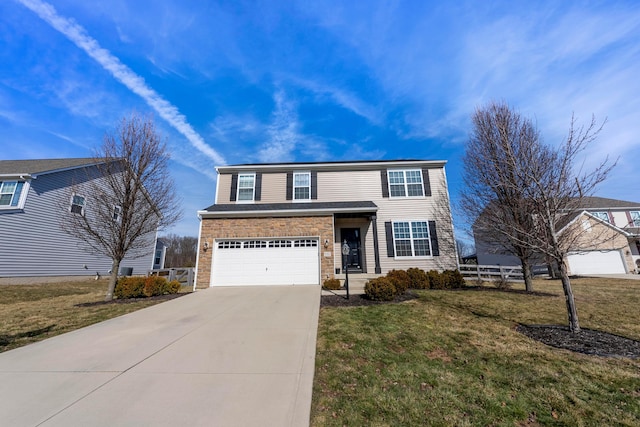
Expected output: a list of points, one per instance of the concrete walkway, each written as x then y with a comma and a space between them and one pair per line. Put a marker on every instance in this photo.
239, 356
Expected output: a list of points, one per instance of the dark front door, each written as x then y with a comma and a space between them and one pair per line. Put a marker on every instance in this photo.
354, 259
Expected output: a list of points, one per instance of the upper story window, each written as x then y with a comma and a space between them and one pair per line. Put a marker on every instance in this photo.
635, 218
246, 187
77, 204
601, 215
411, 238
302, 186
10, 193
406, 183
117, 213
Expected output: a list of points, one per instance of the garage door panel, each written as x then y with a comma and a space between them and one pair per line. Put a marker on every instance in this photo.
275, 262
596, 262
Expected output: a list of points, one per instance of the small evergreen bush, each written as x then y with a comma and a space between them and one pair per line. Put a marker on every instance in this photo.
130, 287
400, 279
419, 278
331, 284
453, 279
436, 281
380, 289
140, 287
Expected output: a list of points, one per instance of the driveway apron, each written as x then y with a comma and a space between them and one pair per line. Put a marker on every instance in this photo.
236, 356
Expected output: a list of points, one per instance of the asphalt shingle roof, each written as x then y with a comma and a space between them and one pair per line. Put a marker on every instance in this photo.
258, 207
42, 165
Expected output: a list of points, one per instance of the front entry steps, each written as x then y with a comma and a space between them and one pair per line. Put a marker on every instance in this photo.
356, 283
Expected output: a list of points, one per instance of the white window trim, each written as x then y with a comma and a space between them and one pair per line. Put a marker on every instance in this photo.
406, 188
253, 189
308, 173
393, 235
23, 195
633, 221
84, 205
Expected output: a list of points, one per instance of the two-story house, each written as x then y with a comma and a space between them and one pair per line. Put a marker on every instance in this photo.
35, 198
608, 241
287, 223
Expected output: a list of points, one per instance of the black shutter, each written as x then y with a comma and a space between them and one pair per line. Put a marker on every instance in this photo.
258, 187
385, 183
425, 181
435, 251
388, 228
314, 185
234, 187
289, 185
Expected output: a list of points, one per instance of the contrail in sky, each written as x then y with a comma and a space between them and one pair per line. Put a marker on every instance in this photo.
124, 74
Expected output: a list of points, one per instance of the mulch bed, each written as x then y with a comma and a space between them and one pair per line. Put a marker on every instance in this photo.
360, 300
130, 300
587, 341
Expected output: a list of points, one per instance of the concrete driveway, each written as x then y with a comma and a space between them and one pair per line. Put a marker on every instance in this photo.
239, 356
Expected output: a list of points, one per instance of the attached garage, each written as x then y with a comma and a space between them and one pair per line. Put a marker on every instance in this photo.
285, 261
596, 262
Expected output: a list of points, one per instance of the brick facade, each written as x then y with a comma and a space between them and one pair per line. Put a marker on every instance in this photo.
244, 228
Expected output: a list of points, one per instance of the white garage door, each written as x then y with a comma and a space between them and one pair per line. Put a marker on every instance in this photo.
596, 262
266, 262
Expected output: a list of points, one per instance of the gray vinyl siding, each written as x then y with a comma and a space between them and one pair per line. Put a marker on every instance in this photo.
33, 244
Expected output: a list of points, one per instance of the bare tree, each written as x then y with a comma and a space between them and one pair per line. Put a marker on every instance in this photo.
181, 250
495, 196
549, 192
464, 249
129, 197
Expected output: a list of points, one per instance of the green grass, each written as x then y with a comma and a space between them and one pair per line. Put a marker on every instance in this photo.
30, 313
454, 358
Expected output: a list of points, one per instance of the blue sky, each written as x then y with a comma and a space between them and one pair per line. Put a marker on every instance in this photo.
267, 81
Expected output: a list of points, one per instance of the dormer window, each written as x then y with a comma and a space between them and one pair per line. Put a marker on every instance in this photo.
302, 186
246, 187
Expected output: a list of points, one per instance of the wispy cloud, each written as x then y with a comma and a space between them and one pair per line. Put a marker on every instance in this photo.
283, 131
124, 74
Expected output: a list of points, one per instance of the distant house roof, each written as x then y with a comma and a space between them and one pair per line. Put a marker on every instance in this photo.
42, 166
591, 203
287, 209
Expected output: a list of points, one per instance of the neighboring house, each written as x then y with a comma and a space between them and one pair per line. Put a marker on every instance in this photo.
159, 255
35, 196
609, 241
286, 223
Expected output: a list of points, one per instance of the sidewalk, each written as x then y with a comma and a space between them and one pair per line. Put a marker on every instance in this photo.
239, 356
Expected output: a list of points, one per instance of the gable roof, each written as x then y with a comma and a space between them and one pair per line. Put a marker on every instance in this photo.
42, 166
592, 203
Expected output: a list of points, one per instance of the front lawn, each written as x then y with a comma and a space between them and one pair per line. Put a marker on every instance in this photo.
30, 313
455, 358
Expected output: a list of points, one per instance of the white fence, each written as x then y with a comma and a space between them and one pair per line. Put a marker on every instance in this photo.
511, 273
183, 275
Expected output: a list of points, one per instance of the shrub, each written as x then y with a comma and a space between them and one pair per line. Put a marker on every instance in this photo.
502, 283
130, 287
436, 281
400, 279
331, 284
453, 279
419, 278
380, 289
140, 287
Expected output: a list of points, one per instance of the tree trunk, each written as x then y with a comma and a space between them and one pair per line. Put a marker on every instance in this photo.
574, 325
527, 274
113, 279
